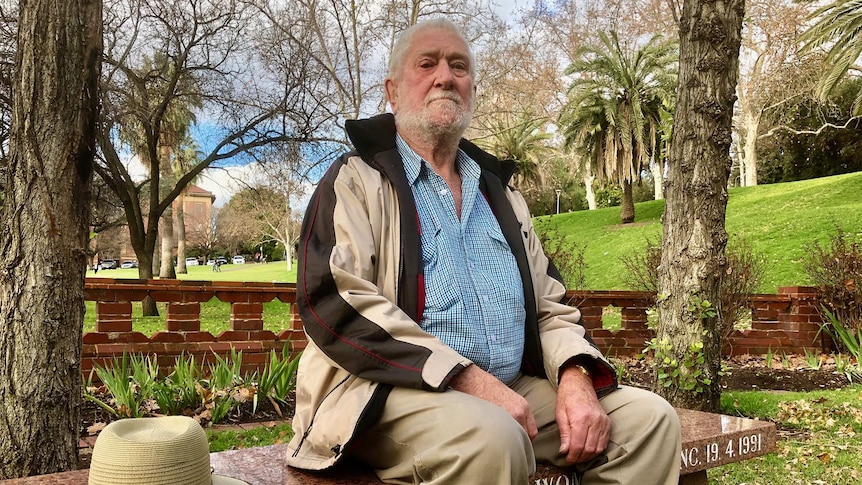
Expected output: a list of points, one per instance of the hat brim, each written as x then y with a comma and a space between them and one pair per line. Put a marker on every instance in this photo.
223, 480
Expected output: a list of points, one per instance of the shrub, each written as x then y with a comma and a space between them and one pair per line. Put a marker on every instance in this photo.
742, 275
836, 271
566, 254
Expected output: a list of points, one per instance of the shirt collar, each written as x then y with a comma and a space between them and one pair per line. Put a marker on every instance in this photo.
413, 163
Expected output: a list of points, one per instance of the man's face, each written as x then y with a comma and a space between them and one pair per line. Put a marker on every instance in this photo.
434, 93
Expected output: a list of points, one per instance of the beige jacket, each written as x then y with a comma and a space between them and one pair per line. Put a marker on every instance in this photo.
360, 296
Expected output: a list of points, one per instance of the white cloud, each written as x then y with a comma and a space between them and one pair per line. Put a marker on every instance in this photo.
224, 182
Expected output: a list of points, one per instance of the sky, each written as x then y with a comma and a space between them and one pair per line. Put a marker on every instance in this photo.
223, 182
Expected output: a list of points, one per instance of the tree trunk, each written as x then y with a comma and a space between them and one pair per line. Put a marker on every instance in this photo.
167, 232
149, 308
748, 166
44, 242
696, 190
181, 236
627, 211
657, 169
591, 194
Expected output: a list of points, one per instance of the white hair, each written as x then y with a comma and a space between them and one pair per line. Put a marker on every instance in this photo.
402, 45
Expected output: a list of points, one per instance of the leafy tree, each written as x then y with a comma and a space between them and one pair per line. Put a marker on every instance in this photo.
45, 219
836, 29
264, 213
773, 75
613, 116
525, 143
245, 95
817, 138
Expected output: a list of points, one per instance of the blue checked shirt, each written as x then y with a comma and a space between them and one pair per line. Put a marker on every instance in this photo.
474, 297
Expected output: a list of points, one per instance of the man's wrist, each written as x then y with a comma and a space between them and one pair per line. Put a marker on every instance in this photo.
576, 368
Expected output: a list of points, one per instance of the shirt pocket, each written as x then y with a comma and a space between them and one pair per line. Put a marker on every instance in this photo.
498, 240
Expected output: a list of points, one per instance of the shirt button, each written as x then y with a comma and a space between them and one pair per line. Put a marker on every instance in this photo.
493, 338
485, 298
443, 191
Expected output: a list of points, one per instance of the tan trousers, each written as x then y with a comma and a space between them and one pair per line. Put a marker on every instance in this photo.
453, 438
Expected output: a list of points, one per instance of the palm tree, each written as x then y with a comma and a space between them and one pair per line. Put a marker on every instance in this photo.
837, 24
523, 142
613, 114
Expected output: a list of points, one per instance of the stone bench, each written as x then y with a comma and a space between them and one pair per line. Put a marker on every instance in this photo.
708, 440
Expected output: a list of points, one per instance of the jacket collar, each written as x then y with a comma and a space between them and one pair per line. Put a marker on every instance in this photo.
374, 135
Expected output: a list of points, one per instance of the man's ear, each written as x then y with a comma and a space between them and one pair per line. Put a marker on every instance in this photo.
391, 88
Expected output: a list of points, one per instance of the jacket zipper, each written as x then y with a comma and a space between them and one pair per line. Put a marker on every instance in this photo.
314, 416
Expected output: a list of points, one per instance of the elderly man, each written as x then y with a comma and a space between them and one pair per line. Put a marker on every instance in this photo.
439, 350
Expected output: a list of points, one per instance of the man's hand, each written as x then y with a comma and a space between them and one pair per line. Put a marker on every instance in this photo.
476, 382
584, 425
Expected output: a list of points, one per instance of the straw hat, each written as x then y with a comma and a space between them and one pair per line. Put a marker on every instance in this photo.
170, 450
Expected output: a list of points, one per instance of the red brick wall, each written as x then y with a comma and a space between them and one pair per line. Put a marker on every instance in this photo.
788, 321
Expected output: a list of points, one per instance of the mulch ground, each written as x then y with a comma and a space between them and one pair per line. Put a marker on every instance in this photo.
751, 373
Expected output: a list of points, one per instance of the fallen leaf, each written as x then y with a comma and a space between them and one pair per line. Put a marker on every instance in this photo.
825, 458
95, 428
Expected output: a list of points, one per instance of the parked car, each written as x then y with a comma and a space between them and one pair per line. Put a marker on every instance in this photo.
221, 260
108, 264
238, 259
192, 262
210, 262
129, 264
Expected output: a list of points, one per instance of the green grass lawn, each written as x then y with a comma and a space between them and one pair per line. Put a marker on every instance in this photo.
776, 220
215, 314
820, 442
275, 272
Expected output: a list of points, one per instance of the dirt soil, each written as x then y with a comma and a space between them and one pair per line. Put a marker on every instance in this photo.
751, 373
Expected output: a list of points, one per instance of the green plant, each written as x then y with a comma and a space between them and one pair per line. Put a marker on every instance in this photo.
277, 378
702, 309
685, 372
837, 273
850, 339
179, 391
565, 254
813, 360
769, 357
221, 405
128, 381
844, 365
785, 361
223, 391
225, 373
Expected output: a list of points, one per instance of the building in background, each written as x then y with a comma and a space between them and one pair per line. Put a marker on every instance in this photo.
197, 203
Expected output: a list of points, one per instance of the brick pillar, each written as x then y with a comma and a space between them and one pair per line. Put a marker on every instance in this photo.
183, 317
802, 320
246, 316
113, 316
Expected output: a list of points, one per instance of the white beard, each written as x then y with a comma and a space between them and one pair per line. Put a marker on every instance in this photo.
438, 121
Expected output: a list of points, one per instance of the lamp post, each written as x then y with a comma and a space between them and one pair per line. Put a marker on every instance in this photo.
558, 191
